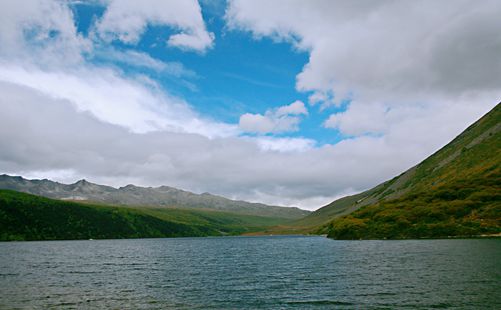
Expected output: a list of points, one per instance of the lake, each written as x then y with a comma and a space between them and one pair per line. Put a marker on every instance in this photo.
279, 272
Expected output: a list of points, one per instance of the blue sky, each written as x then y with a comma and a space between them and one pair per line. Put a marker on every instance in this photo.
239, 74
292, 103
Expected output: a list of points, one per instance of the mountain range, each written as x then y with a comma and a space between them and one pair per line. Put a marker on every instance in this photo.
131, 195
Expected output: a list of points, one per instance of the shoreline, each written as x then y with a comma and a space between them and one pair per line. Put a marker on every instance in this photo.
483, 236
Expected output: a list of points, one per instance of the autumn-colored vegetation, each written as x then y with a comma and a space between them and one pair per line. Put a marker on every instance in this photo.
455, 192
463, 209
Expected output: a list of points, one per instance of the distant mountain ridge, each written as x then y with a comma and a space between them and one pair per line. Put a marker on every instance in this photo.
131, 195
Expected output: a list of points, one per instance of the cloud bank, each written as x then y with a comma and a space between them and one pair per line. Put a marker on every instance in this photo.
56, 140
384, 50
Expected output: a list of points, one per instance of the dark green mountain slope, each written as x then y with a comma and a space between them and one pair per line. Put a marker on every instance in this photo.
28, 217
454, 192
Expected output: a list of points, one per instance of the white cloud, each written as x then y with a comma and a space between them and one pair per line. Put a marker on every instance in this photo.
257, 123
198, 40
386, 52
126, 20
37, 30
295, 108
268, 123
360, 119
134, 103
284, 144
282, 119
384, 49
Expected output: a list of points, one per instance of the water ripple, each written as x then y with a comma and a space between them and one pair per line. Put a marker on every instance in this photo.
251, 273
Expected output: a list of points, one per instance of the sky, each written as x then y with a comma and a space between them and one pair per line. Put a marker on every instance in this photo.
292, 103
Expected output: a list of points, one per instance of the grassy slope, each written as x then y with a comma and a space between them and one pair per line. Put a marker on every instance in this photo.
29, 217
455, 192
441, 196
316, 222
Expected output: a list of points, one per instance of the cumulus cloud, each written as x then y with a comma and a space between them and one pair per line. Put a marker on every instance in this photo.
41, 28
295, 108
283, 119
384, 50
126, 20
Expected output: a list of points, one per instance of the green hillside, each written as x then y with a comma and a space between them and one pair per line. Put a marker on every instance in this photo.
454, 192
29, 217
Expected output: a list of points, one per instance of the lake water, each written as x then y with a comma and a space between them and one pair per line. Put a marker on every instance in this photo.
251, 272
